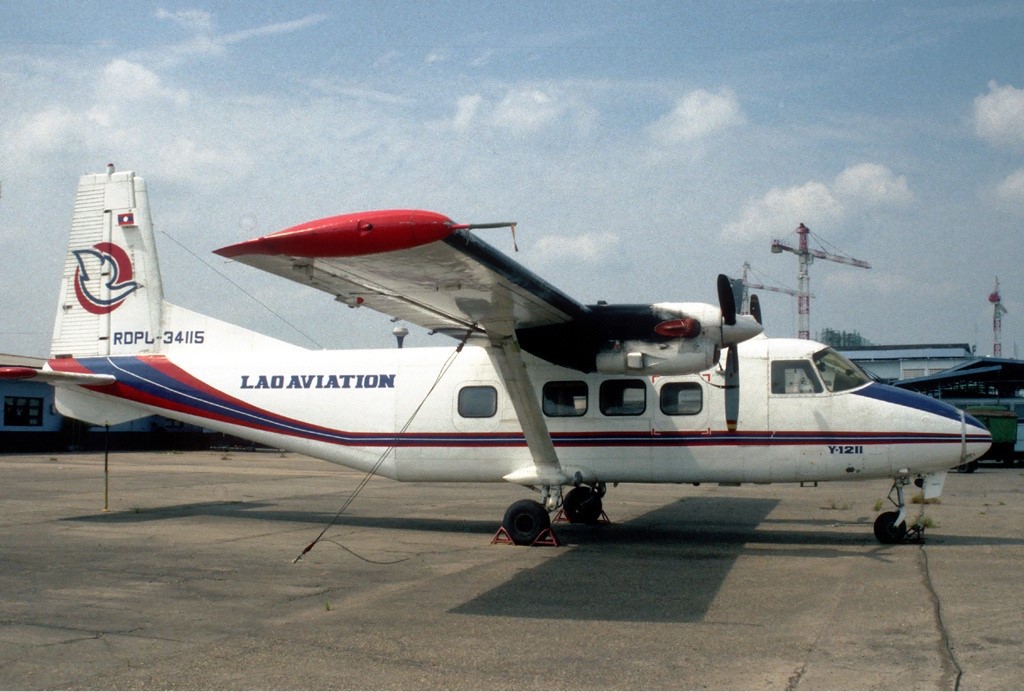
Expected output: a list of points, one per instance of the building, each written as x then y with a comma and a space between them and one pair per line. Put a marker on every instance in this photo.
891, 364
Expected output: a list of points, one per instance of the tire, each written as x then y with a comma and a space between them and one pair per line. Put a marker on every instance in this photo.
582, 505
525, 520
886, 530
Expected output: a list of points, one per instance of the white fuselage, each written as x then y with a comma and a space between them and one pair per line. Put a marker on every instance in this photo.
353, 407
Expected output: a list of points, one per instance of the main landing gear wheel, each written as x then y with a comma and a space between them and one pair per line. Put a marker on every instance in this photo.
525, 520
582, 505
888, 531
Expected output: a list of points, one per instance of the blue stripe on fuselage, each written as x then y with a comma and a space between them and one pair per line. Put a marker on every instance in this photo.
903, 397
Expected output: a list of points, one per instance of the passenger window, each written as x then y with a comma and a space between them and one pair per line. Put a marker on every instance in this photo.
682, 398
478, 402
623, 397
794, 377
565, 398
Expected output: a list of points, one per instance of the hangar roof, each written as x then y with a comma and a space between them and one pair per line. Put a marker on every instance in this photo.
1002, 377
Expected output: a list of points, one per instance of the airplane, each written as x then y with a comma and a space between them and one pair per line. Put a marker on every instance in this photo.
537, 389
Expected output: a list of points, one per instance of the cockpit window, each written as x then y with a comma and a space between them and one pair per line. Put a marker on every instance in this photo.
794, 377
838, 371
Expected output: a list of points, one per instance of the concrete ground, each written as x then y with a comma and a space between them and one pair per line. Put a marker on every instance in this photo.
188, 582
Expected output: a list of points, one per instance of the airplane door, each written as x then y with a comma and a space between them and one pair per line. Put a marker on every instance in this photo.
625, 407
798, 403
680, 409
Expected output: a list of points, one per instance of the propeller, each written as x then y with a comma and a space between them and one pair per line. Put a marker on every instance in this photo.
727, 302
732, 363
755, 308
732, 388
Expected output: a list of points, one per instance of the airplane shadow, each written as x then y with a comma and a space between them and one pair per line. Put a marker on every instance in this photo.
263, 511
670, 564
667, 565
664, 566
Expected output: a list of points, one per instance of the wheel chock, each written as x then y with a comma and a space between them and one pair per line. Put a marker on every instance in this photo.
560, 518
546, 537
502, 537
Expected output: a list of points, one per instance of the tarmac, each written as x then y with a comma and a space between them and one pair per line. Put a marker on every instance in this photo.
188, 582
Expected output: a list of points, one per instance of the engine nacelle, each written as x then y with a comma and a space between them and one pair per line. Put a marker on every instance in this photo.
685, 340
658, 339
675, 357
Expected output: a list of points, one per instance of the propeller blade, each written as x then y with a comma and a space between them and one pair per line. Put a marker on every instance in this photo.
755, 308
732, 387
726, 300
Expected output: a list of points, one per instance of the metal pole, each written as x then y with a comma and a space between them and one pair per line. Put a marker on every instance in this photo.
106, 467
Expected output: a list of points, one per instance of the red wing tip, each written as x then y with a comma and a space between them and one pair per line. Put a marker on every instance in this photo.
349, 234
231, 251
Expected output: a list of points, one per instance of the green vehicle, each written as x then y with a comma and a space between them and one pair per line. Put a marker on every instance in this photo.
1003, 426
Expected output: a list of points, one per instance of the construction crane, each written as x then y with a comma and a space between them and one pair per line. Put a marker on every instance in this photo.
746, 284
997, 320
806, 256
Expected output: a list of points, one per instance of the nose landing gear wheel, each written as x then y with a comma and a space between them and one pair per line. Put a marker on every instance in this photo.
888, 531
525, 520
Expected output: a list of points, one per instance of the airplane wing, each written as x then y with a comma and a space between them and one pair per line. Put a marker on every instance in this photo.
417, 266
422, 267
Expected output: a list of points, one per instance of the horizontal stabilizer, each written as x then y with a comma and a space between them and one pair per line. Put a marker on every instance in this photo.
56, 378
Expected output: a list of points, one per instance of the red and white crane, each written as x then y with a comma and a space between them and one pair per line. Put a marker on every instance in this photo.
748, 284
997, 320
805, 256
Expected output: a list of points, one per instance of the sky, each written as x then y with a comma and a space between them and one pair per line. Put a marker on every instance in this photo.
642, 147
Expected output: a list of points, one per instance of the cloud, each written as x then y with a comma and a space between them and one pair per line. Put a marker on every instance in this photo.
128, 83
526, 111
115, 101
858, 188
587, 248
696, 115
780, 210
1010, 192
124, 112
999, 116
872, 185
466, 110
198, 21
272, 29
205, 40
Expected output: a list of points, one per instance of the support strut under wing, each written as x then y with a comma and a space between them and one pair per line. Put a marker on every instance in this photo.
546, 470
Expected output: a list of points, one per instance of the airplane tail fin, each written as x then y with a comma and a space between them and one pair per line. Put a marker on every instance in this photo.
111, 296
111, 282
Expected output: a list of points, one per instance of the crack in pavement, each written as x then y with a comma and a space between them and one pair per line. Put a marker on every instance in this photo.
950, 662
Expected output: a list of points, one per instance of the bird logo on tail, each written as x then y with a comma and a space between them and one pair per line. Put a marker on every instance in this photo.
113, 265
